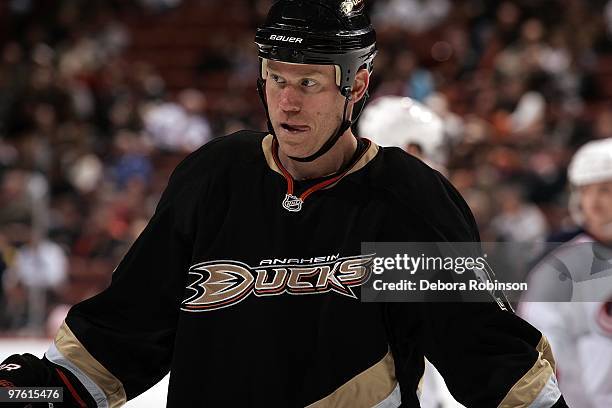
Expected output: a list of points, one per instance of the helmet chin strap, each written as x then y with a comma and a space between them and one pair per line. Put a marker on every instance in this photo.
331, 141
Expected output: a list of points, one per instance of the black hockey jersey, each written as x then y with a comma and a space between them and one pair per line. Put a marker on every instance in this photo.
233, 289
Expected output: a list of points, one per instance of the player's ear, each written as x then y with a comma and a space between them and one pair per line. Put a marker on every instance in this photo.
362, 81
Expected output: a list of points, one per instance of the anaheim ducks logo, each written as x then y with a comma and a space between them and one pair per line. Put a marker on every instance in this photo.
220, 284
348, 6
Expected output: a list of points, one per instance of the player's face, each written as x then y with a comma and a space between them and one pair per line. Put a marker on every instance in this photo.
305, 105
596, 204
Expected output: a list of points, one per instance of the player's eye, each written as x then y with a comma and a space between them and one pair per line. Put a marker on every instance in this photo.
276, 78
309, 82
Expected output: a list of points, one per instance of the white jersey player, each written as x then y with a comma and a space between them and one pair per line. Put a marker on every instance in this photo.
408, 124
570, 291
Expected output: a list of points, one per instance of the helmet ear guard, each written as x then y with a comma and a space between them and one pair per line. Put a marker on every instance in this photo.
574, 207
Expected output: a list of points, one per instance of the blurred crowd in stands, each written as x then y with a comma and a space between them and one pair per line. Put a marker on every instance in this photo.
94, 114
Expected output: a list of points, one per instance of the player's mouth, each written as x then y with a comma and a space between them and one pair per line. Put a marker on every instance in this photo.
293, 128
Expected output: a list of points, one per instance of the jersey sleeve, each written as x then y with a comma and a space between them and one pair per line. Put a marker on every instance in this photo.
119, 343
488, 357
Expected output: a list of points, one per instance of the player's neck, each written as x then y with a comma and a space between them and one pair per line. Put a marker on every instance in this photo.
329, 163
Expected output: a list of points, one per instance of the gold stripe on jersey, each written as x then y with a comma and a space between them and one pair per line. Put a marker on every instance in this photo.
367, 157
71, 348
266, 145
366, 389
546, 350
527, 389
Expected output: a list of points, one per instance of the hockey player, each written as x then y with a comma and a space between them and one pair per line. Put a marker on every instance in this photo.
408, 124
571, 289
242, 282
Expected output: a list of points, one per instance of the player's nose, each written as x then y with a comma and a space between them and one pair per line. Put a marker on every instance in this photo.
290, 100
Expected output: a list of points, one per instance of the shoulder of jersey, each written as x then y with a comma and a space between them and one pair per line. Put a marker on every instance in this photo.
397, 169
221, 153
418, 189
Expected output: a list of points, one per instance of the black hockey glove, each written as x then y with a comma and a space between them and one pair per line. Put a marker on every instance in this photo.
26, 370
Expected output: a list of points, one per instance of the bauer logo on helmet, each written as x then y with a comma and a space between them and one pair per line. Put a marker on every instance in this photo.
286, 39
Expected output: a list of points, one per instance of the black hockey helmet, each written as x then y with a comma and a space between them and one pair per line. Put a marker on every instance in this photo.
322, 32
